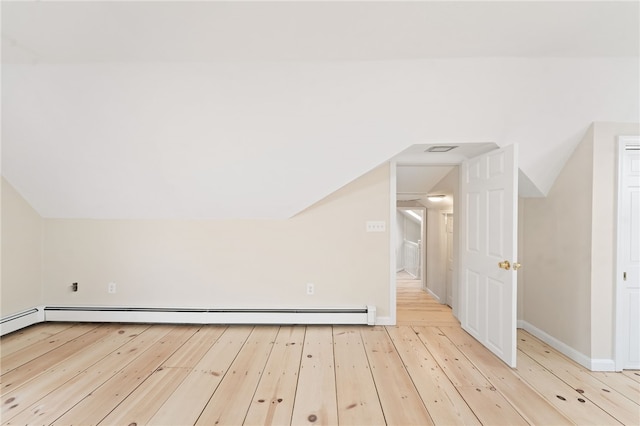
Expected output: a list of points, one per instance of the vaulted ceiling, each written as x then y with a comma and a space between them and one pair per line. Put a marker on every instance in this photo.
259, 109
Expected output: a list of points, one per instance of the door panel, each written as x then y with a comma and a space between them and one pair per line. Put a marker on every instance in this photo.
628, 281
488, 232
495, 233
472, 285
473, 223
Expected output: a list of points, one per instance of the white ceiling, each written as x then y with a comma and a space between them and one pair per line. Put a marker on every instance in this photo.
148, 31
414, 183
241, 109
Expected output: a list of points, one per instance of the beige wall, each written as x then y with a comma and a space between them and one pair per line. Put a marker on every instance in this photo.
569, 247
21, 253
229, 263
436, 251
520, 258
557, 253
603, 231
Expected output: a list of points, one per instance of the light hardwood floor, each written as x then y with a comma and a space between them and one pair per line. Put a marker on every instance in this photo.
417, 373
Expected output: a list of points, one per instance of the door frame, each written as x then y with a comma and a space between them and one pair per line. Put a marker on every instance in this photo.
391, 319
620, 344
393, 211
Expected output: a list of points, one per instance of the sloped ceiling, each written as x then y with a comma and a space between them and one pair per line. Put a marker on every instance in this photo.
258, 110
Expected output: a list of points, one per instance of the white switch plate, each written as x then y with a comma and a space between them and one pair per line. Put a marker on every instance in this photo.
310, 289
376, 226
111, 288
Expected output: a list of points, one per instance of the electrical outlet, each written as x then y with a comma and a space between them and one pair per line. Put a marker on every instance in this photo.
74, 287
376, 226
310, 289
111, 288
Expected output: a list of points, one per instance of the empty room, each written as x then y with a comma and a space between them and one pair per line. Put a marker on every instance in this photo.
320, 213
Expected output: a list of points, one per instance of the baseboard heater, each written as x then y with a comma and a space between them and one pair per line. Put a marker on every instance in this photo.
20, 320
360, 315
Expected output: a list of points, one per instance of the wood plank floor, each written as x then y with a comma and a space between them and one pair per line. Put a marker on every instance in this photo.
416, 373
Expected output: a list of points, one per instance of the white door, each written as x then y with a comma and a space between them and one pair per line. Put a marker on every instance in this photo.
628, 280
488, 246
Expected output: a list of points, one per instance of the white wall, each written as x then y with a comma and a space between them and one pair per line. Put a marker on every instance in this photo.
229, 263
436, 244
21, 253
569, 246
412, 230
157, 139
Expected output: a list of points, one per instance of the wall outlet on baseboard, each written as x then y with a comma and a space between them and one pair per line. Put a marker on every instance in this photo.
111, 288
310, 289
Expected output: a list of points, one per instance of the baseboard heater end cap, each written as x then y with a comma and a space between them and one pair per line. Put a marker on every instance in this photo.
371, 315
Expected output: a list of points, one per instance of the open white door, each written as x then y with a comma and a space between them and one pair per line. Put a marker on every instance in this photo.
488, 250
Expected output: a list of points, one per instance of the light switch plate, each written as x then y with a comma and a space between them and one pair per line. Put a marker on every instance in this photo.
376, 226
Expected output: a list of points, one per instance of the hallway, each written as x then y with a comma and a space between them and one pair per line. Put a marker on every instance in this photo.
417, 307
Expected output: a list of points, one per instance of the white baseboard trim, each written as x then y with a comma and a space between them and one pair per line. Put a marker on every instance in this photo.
602, 364
435, 296
20, 320
385, 321
563, 348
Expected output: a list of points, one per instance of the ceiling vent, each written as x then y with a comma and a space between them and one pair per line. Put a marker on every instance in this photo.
440, 148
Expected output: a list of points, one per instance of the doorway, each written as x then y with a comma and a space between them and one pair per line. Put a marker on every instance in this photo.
485, 301
628, 256
420, 171
428, 191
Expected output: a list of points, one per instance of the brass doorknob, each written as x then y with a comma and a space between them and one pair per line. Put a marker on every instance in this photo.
504, 265
516, 266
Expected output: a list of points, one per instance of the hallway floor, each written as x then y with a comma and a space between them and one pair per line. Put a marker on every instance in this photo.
417, 307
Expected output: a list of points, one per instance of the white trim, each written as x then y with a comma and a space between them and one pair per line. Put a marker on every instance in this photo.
392, 247
563, 348
21, 320
602, 365
371, 315
618, 335
435, 296
385, 321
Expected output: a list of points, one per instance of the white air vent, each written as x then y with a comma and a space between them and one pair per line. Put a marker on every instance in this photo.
440, 148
